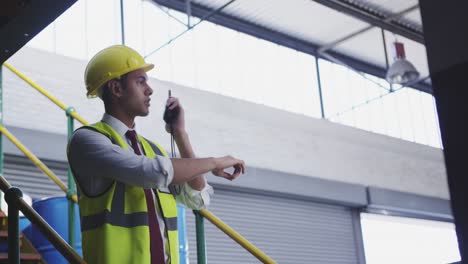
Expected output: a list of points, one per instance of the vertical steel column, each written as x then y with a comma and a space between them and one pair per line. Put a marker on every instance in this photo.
122, 22
71, 186
11, 197
387, 64
200, 229
319, 82
446, 44
188, 7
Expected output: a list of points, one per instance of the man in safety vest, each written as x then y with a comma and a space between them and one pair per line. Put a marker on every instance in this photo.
128, 187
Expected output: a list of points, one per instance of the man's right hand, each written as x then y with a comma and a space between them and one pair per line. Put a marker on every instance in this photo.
228, 162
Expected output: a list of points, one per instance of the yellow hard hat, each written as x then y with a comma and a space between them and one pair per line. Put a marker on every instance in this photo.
110, 63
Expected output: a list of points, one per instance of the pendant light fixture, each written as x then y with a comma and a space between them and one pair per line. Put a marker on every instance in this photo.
401, 71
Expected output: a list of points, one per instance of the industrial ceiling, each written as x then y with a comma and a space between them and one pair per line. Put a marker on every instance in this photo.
351, 32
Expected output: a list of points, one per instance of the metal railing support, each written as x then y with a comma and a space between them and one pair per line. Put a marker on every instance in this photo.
200, 229
35, 160
14, 198
71, 186
11, 197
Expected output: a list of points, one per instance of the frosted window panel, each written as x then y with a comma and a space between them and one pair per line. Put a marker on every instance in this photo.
392, 120
175, 27
350, 99
229, 68
162, 62
207, 50
182, 56
261, 80
71, 32
416, 112
155, 27
283, 79
405, 240
434, 127
133, 18
404, 114
102, 25
305, 80
248, 68
376, 117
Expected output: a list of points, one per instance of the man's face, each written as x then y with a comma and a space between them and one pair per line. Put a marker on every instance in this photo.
136, 93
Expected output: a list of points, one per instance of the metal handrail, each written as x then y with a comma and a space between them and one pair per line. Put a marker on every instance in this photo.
205, 213
36, 161
56, 240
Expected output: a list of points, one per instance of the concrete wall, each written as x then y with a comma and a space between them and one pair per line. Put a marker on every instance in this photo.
264, 137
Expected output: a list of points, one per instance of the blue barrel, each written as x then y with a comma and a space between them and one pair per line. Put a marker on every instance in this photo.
24, 225
55, 212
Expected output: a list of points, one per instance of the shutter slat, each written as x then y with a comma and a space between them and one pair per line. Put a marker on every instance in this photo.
288, 230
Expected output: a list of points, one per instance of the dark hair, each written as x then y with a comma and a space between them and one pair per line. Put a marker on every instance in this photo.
106, 94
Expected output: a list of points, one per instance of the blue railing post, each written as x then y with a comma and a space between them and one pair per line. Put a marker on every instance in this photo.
183, 242
11, 197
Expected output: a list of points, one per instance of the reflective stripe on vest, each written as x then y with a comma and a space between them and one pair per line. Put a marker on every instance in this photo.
116, 216
124, 206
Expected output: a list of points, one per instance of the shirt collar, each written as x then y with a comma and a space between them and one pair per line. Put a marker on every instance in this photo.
116, 124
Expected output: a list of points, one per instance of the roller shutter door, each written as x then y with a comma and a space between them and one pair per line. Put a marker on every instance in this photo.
288, 230
21, 172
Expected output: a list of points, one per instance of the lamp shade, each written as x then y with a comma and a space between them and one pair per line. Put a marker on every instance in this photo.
401, 71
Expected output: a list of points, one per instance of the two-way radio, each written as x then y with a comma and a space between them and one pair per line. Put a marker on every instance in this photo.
170, 116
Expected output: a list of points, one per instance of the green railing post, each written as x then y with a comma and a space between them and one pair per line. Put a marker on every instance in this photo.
11, 197
200, 229
71, 186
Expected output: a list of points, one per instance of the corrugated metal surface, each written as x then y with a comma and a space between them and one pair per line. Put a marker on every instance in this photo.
289, 231
385, 8
414, 16
21, 172
302, 19
312, 22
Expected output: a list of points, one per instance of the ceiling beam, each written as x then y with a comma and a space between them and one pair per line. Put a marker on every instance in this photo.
373, 18
335, 43
279, 38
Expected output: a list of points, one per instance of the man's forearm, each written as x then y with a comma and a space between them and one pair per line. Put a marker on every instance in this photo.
186, 151
189, 170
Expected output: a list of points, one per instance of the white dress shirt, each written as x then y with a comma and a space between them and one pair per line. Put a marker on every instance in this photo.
97, 163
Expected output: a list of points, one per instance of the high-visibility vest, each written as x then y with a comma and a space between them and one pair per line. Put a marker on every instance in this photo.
114, 224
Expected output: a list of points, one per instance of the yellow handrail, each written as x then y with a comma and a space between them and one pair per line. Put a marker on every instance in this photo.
236, 237
35, 160
46, 94
205, 213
